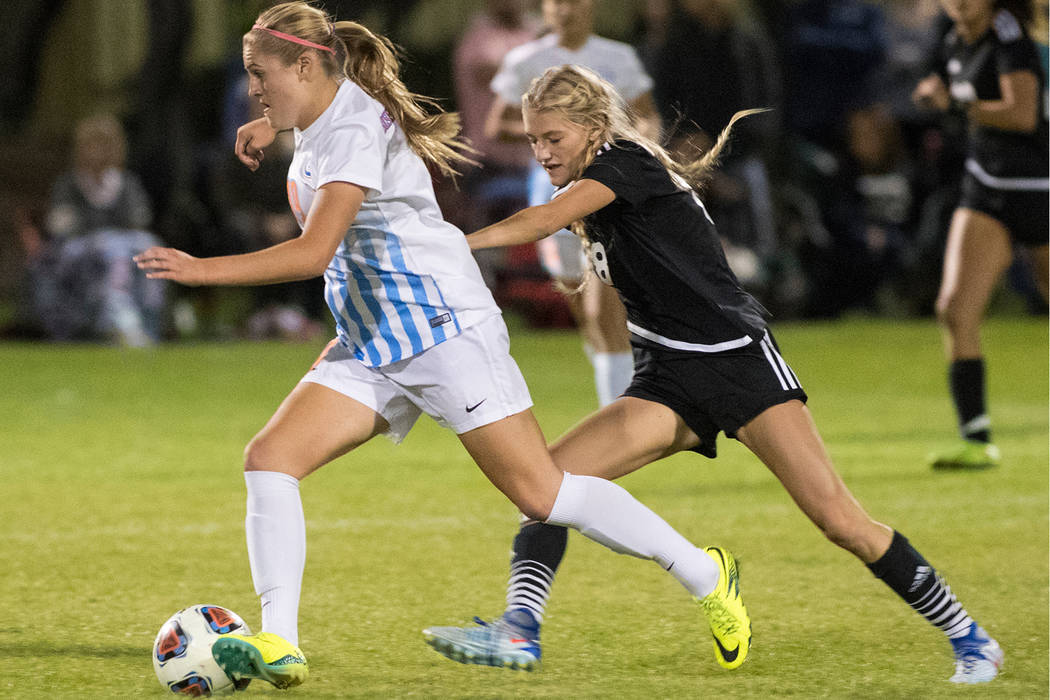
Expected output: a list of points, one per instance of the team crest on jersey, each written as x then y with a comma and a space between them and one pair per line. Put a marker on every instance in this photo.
1007, 28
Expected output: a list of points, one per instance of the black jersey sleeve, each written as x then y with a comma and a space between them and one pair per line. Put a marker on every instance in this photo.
1015, 51
631, 172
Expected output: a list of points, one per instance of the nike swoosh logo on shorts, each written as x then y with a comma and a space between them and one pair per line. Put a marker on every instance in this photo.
471, 408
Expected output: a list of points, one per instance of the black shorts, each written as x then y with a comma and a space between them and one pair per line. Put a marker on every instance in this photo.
1024, 213
714, 392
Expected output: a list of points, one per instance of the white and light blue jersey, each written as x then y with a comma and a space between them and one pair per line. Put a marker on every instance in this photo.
403, 279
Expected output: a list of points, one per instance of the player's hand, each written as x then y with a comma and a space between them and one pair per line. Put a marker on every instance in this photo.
171, 264
932, 93
252, 138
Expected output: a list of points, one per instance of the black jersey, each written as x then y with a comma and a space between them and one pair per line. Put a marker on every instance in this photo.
656, 244
972, 72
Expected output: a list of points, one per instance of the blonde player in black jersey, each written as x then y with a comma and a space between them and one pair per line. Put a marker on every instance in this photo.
988, 69
704, 362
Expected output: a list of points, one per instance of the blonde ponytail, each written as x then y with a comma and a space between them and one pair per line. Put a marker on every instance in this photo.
697, 172
372, 62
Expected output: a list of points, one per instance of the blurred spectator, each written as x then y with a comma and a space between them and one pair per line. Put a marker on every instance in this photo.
713, 63
250, 211
27, 26
833, 51
912, 33
163, 145
881, 183
81, 282
498, 187
849, 215
652, 25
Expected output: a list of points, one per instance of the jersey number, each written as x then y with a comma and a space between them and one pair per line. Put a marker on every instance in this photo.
600, 262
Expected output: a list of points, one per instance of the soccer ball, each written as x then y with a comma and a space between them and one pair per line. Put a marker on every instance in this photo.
182, 651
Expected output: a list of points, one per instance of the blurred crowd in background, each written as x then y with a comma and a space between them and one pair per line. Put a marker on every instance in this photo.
836, 201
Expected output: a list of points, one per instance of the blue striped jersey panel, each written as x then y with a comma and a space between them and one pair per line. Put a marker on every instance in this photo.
384, 311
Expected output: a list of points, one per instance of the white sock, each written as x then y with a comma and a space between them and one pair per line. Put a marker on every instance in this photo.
613, 372
607, 514
276, 534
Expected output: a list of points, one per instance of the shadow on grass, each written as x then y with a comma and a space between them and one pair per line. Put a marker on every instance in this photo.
44, 649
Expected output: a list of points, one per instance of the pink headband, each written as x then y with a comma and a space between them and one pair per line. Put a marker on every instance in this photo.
290, 37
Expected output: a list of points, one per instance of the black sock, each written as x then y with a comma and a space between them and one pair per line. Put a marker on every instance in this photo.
966, 379
906, 571
538, 549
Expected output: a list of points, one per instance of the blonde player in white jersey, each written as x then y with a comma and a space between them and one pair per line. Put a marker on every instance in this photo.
417, 329
597, 309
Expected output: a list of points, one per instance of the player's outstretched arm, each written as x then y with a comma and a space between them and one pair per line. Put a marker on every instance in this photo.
306, 256
1018, 107
530, 225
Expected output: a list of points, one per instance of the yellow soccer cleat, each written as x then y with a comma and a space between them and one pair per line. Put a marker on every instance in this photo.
265, 656
967, 454
725, 611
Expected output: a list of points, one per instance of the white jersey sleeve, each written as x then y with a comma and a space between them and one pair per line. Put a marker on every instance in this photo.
352, 133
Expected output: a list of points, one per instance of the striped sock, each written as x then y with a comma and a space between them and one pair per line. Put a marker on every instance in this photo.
939, 605
538, 549
904, 570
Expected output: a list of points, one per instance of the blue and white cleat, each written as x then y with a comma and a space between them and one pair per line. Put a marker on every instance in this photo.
978, 657
508, 642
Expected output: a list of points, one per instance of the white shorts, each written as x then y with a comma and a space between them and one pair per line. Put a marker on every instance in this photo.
463, 383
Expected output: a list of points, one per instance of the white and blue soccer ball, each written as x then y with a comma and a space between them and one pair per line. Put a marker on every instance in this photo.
182, 651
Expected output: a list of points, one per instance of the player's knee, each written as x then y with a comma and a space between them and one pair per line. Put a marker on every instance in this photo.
534, 509
531, 500
259, 454
945, 310
952, 313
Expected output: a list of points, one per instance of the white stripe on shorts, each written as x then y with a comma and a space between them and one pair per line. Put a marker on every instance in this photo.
1015, 184
690, 347
787, 378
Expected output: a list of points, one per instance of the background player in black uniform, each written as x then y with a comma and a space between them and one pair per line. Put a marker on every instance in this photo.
989, 70
705, 362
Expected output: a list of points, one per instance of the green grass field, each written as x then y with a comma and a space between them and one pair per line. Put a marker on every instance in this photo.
123, 501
